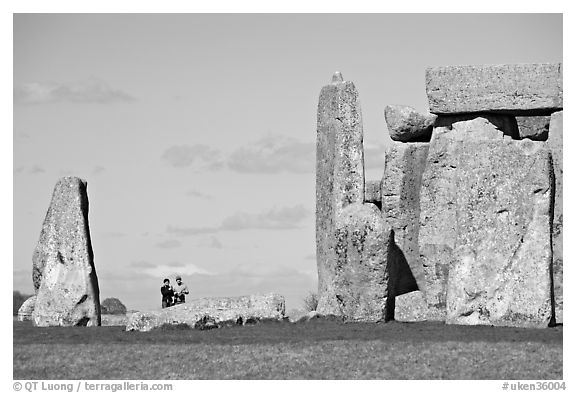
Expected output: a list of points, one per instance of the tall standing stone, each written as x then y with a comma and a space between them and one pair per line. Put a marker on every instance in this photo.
556, 147
361, 276
528, 89
401, 182
438, 228
348, 232
64, 272
500, 272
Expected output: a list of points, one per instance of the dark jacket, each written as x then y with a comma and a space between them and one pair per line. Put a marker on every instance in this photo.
167, 293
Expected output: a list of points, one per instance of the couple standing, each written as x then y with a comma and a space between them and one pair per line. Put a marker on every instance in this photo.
173, 295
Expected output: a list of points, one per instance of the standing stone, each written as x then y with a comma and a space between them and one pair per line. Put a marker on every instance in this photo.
361, 274
68, 292
555, 144
533, 127
407, 124
438, 230
529, 89
401, 183
500, 272
26, 309
339, 177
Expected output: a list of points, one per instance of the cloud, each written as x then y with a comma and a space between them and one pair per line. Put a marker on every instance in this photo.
113, 235
198, 194
276, 218
180, 231
274, 154
271, 154
199, 157
215, 243
210, 242
98, 170
172, 243
374, 156
173, 270
84, 92
34, 169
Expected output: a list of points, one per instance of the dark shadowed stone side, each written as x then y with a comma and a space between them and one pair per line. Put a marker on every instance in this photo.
401, 182
361, 275
503, 125
500, 271
533, 127
438, 229
555, 144
518, 89
406, 124
339, 176
68, 292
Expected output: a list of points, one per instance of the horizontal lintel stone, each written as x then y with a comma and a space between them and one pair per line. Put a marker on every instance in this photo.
517, 89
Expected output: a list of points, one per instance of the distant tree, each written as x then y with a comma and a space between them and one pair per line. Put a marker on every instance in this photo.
311, 302
112, 305
19, 298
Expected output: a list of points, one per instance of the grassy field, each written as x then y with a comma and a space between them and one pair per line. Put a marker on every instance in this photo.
318, 349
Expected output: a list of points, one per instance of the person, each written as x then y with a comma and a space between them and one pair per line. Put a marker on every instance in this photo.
180, 290
167, 293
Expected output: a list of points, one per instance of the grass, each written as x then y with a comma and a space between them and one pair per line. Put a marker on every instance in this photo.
317, 349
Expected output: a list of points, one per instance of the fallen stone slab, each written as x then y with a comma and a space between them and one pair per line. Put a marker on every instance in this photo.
63, 262
26, 309
533, 127
518, 89
555, 144
223, 311
406, 124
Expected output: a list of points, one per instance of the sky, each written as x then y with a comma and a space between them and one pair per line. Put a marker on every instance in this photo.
196, 132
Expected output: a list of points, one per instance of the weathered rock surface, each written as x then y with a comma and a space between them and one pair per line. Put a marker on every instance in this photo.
339, 177
514, 88
555, 143
411, 307
439, 226
67, 292
372, 193
401, 182
407, 124
360, 280
234, 310
533, 127
485, 226
26, 309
